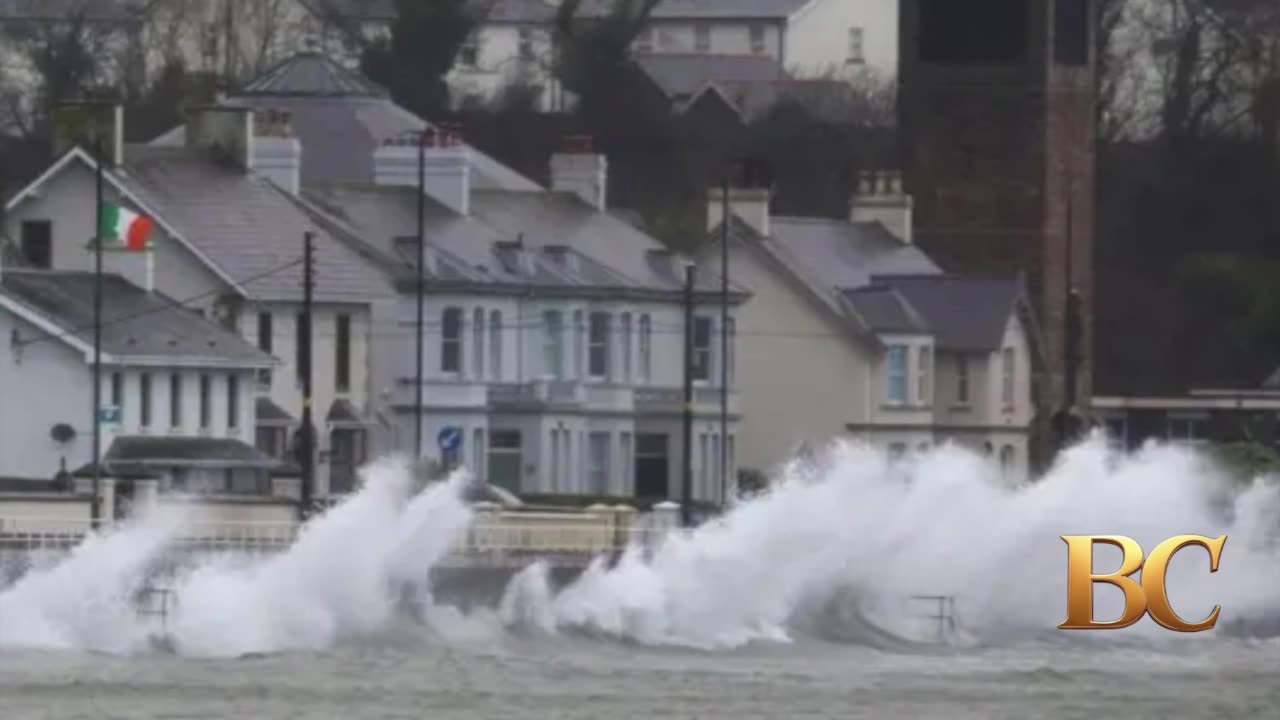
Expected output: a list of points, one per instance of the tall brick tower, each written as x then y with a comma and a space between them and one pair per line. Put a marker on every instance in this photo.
996, 114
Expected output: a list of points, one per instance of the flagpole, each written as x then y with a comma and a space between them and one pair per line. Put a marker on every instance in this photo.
95, 508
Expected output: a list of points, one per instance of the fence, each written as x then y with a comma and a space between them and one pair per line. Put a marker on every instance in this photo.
494, 533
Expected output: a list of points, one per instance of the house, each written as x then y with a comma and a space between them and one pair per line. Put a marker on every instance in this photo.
553, 328
553, 332
177, 390
892, 350
1197, 415
229, 244
512, 46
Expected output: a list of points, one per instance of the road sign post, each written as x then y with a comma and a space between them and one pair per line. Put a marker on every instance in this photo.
449, 439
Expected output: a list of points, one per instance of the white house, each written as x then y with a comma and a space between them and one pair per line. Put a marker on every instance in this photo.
229, 243
514, 43
890, 349
177, 391
553, 334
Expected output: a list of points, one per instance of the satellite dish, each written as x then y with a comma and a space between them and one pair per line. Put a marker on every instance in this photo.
62, 433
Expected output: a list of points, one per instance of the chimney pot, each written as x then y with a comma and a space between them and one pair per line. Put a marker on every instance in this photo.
880, 198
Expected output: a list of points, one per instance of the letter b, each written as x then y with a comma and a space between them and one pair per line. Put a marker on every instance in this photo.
1148, 597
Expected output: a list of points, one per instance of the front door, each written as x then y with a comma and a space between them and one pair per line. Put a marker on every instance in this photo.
653, 466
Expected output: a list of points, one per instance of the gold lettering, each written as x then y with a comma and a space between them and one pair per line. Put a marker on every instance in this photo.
1153, 581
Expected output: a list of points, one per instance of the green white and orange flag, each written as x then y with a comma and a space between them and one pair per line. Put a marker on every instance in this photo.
127, 228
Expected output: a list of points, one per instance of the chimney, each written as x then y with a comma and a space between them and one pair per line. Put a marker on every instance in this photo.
227, 132
77, 123
750, 204
881, 198
277, 154
579, 170
447, 165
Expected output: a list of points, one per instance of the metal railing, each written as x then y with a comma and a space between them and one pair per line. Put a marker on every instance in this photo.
484, 536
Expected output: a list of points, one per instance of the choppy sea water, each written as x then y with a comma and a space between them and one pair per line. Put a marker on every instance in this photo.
545, 680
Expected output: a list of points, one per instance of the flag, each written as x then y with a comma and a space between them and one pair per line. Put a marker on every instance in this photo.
126, 227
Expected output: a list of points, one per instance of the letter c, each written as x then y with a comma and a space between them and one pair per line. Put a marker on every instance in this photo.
1153, 581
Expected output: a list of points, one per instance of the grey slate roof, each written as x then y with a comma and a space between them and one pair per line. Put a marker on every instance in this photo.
246, 225
750, 82
269, 413
878, 283
135, 323
340, 132
311, 74
133, 455
567, 245
885, 310
964, 312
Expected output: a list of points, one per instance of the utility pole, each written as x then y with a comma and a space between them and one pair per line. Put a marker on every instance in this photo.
421, 271
724, 342
307, 448
1068, 421
95, 507
686, 488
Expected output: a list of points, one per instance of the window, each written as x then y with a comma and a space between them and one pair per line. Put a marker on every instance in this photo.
1185, 427
451, 340
265, 332
626, 462
598, 453
552, 343
342, 348
644, 40
477, 342
469, 53
477, 453
579, 343
756, 37
301, 342
175, 400
37, 243
1071, 32
1117, 430
117, 392
962, 379
975, 32
144, 396
598, 348
715, 469
730, 367
626, 347
702, 348
924, 369
1006, 378
896, 390
266, 341
206, 397
525, 43
270, 440
495, 345
554, 480
347, 451
646, 349
504, 459
233, 402
702, 38
653, 466
856, 56
704, 462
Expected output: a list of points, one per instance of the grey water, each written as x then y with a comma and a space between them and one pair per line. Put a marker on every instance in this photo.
484, 679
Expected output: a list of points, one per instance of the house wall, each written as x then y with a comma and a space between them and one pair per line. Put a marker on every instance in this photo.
818, 37
782, 334
499, 65
29, 407
68, 200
